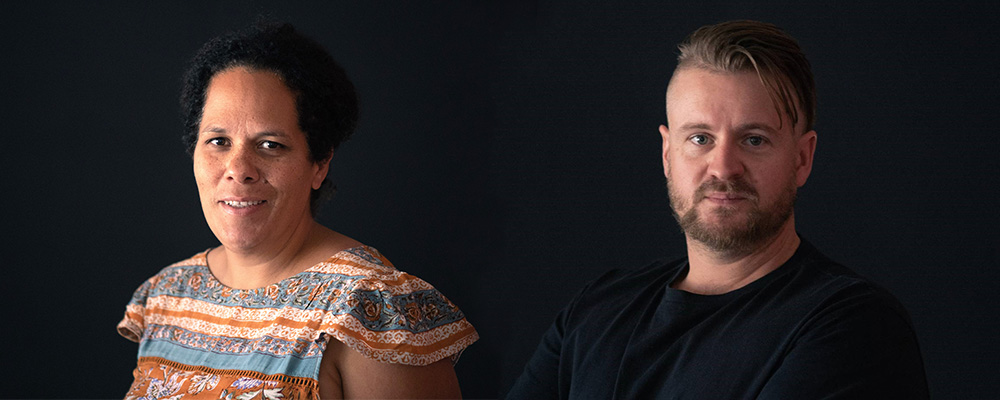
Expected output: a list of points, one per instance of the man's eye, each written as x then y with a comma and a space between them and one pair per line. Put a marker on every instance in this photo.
699, 139
267, 144
755, 140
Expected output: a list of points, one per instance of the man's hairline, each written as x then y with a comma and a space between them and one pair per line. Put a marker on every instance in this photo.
718, 71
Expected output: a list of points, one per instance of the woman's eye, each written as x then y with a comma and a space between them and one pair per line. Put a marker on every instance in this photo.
217, 141
699, 139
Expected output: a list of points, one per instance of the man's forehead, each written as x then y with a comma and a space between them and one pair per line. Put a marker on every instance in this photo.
694, 92
688, 76
712, 90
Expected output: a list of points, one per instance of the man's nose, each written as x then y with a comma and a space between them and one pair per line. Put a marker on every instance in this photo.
726, 161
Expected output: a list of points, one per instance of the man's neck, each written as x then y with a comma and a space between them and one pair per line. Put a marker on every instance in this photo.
714, 272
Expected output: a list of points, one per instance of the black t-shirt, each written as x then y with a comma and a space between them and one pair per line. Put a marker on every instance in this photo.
810, 329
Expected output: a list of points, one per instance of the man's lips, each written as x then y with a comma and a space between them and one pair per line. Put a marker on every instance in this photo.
726, 198
726, 192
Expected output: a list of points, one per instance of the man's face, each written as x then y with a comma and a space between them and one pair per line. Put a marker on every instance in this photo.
732, 163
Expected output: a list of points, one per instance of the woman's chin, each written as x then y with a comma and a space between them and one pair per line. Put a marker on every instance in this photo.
239, 241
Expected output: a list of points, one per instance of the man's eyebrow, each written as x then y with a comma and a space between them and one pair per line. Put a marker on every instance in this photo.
749, 126
693, 126
760, 126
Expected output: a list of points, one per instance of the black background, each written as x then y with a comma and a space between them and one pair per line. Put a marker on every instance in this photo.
507, 153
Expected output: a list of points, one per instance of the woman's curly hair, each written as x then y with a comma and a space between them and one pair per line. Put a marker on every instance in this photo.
325, 99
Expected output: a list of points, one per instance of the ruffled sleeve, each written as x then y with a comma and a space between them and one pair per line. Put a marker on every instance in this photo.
394, 317
132, 325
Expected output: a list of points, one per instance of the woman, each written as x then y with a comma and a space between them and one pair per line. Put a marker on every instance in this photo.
285, 308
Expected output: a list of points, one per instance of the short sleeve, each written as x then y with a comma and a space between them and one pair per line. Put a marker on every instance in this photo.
394, 317
545, 375
132, 325
863, 346
540, 378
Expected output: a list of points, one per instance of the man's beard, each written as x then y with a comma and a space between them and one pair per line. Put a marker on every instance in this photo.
760, 224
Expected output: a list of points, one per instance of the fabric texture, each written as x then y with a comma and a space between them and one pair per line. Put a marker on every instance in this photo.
810, 329
201, 339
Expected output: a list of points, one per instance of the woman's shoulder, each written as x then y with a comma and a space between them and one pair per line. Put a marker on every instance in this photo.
195, 261
389, 315
362, 259
198, 259
368, 270
133, 323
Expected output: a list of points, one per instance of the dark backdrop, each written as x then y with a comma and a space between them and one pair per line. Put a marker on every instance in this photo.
507, 153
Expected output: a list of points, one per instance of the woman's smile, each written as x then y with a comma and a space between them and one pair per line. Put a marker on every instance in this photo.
252, 161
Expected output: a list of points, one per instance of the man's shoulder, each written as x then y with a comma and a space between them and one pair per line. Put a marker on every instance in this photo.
810, 263
657, 273
827, 283
621, 289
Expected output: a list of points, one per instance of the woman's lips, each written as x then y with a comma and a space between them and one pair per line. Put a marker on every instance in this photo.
241, 207
242, 204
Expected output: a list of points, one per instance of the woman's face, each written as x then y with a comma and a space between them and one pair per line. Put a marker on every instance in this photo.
251, 162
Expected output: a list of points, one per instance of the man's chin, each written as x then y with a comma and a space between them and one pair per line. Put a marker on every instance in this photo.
725, 243
725, 234
717, 234
723, 225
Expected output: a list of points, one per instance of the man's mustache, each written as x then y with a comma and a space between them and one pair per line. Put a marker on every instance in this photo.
738, 187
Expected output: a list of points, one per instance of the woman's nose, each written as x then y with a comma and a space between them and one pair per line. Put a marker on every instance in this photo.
241, 166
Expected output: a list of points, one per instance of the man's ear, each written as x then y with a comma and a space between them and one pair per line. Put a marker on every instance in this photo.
805, 150
665, 133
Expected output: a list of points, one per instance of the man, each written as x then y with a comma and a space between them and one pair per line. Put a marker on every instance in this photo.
754, 311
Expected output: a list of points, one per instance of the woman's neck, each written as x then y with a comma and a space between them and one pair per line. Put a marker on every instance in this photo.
259, 267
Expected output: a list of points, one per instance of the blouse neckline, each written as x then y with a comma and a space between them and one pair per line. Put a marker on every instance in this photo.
336, 256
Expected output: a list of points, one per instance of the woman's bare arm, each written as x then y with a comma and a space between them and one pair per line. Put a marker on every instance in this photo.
346, 373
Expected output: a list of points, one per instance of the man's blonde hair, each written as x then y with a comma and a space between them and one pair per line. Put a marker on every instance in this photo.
777, 59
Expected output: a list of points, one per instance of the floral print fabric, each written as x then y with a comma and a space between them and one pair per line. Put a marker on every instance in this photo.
200, 338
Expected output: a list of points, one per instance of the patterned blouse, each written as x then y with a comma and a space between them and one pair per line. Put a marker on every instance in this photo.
201, 339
